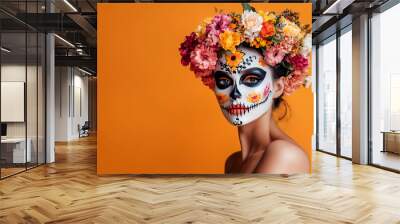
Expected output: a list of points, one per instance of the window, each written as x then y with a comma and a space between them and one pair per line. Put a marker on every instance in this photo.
327, 96
385, 89
346, 93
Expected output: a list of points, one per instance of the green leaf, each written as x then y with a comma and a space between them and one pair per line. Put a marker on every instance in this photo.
275, 40
247, 7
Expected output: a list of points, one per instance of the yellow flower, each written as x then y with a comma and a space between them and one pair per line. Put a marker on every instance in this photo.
229, 40
267, 16
290, 29
258, 42
201, 28
234, 59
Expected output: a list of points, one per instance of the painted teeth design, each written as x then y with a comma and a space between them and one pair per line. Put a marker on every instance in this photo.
237, 122
241, 109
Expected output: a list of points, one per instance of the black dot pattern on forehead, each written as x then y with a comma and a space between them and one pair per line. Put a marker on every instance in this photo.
242, 65
224, 67
245, 63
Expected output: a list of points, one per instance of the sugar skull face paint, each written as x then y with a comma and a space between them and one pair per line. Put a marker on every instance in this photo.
247, 83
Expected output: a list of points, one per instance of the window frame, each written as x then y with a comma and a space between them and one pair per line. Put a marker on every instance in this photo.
334, 37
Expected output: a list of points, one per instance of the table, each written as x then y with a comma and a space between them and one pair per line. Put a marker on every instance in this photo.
391, 141
15, 148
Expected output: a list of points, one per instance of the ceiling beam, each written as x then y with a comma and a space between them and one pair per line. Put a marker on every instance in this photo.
84, 24
83, 61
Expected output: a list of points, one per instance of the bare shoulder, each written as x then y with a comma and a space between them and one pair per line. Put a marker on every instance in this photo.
232, 163
283, 157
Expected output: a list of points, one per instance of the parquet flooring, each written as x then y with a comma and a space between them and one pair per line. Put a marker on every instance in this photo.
69, 191
10, 171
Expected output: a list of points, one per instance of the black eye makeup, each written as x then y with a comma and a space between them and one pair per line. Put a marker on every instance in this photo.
253, 77
222, 80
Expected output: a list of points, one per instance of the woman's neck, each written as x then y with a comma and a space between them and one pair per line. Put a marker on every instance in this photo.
255, 135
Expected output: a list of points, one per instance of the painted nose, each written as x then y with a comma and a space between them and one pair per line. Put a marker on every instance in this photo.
235, 94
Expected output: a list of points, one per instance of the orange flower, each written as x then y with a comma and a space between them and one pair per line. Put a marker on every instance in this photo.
253, 97
267, 30
234, 59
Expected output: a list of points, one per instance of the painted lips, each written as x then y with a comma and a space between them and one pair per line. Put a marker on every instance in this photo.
237, 109
240, 109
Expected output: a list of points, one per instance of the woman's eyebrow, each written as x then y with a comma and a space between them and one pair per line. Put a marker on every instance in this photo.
254, 70
220, 73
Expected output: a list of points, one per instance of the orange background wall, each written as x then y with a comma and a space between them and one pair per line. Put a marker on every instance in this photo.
154, 116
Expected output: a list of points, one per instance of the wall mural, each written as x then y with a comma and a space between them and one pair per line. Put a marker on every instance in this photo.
255, 59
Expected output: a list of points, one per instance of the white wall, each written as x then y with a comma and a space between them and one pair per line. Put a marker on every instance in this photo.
16, 73
81, 97
33, 127
9, 73
61, 103
71, 102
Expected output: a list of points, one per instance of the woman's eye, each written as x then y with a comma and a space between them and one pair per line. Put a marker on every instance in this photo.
223, 83
222, 80
251, 80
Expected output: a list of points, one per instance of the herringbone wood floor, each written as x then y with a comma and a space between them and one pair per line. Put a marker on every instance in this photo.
69, 191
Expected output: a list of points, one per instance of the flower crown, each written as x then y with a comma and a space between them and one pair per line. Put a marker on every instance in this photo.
286, 45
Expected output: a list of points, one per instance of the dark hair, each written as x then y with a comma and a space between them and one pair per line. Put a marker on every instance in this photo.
281, 70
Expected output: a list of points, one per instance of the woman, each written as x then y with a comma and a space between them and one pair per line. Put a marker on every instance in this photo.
250, 61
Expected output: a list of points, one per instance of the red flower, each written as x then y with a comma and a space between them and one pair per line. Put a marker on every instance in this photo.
187, 47
299, 62
267, 30
208, 81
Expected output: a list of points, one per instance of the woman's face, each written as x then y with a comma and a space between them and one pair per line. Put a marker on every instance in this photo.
244, 85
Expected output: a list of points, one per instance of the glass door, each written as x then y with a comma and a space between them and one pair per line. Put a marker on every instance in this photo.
327, 96
14, 153
22, 91
385, 90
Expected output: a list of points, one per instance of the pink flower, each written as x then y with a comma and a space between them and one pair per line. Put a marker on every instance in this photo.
298, 61
286, 44
212, 38
187, 47
273, 56
293, 81
218, 24
203, 60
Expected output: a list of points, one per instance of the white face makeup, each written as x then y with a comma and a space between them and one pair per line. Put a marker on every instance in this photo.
244, 92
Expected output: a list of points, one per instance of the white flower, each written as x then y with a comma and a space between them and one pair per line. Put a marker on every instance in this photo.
252, 23
307, 45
